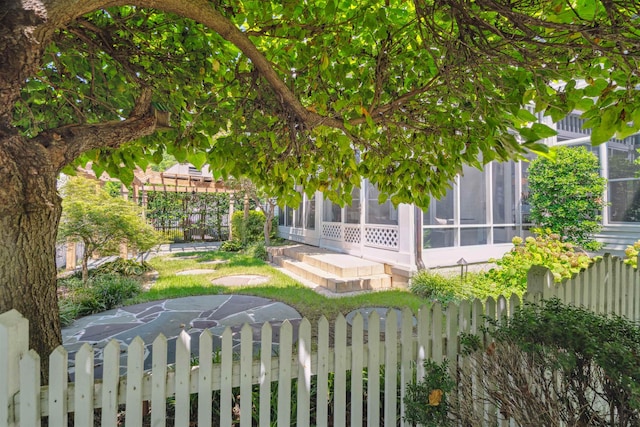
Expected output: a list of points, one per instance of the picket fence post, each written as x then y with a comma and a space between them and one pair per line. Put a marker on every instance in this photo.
14, 341
539, 281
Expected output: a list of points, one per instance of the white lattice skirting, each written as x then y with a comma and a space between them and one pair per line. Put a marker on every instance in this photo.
332, 231
383, 237
352, 234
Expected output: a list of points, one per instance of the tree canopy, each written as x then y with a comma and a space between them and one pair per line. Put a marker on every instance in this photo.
317, 93
320, 94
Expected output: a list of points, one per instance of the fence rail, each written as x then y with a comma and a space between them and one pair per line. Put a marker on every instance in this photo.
344, 375
191, 233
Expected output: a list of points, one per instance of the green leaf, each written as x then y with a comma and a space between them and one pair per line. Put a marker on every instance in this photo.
543, 131
602, 134
197, 159
526, 115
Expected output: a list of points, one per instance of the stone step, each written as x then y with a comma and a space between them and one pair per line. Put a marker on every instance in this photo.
342, 265
329, 280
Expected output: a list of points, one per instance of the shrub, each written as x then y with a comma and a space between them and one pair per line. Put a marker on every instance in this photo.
548, 250
554, 363
125, 267
249, 230
69, 311
102, 292
631, 254
231, 246
435, 287
566, 195
258, 251
426, 402
482, 286
112, 289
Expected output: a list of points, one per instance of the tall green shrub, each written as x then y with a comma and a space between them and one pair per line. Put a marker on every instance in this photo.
566, 195
249, 230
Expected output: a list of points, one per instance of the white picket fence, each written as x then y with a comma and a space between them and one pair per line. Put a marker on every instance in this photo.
353, 375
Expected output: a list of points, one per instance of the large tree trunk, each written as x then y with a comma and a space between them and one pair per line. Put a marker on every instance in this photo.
29, 214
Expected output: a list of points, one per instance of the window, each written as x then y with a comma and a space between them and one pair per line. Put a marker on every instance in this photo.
310, 212
441, 211
299, 214
281, 216
289, 216
352, 212
331, 212
377, 213
480, 208
473, 196
503, 188
624, 179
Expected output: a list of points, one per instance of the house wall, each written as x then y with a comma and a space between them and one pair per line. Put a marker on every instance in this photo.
386, 243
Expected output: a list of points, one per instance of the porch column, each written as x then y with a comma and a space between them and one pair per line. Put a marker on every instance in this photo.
71, 256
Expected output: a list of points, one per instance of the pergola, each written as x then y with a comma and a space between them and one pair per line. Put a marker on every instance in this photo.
179, 178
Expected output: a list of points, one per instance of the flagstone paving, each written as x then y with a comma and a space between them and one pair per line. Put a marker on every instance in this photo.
172, 316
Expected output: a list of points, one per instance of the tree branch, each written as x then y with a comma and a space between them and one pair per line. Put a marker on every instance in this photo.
66, 143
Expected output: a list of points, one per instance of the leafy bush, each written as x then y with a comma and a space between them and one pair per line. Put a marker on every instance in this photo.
69, 311
231, 246
426, 402
125, 267
566, 195
482, 286
631, 254
112, 289
546, 250
102, 292
510, 275
436, 287
249, 230
258, 251
554, 350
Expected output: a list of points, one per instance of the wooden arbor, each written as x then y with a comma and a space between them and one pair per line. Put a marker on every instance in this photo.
180, 178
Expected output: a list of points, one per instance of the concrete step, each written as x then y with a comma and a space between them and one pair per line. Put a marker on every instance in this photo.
342, 265
333, 271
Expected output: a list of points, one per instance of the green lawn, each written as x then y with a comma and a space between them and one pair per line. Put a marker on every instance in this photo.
280, 287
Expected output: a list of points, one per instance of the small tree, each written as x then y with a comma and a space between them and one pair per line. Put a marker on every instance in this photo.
566, 195
258, 196
102, 222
